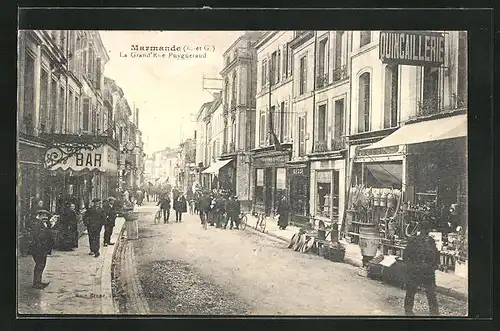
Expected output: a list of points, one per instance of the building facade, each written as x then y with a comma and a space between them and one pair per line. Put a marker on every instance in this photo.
408, 123
66, 152
274, 134
238, 103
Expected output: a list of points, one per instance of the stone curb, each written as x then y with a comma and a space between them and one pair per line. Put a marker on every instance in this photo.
439, 289
107, 302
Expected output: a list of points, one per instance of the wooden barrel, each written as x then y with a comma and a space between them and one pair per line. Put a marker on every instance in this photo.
368, 240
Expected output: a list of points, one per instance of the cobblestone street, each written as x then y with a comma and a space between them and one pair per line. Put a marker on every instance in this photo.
184, 269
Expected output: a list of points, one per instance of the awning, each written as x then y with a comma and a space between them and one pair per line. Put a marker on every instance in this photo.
215, 167
433, 130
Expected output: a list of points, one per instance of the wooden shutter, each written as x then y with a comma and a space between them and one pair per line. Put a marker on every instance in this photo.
289, 59
288, 126
284, 58
98, 74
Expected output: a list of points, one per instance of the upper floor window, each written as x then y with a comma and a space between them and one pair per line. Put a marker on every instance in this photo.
288, 57
338, 125
60, 113
86, 116
53, 105
233, 87
321, 125
262, 128
303, 75
278, 66
364, 103
273, 71
264, 73
302, 136
44, 101
323, 63
391, 96
365, 38
430, 95
226, 89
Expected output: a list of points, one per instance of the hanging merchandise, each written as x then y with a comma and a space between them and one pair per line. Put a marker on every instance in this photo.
383, 199
376, 197
390, 200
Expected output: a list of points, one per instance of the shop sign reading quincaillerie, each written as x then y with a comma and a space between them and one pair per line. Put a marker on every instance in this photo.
103, 159
412, 48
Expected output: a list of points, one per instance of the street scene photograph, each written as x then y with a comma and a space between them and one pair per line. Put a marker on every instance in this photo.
242, 173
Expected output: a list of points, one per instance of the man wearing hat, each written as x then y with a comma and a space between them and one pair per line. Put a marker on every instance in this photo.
94, 219
111, 211
233, 212
422, 259
40, 245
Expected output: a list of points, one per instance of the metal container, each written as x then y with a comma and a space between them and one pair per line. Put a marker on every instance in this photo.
368, 240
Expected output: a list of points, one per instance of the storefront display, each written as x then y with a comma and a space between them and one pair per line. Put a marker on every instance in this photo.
299, 181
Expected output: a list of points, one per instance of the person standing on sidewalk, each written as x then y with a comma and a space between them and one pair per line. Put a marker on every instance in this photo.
40, 245
164, 204
283, 212
233, 212
111, 212
422, 259
69, 228
180, 206
94, 219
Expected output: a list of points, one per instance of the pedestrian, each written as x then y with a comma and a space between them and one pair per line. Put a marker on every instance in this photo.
38, 206
111, 212
180, 206
40, 244
190, 198
422, 259
283, 211
204, 207
233, 212
220, 209
175, 193
94, 219
164, 204
68, 231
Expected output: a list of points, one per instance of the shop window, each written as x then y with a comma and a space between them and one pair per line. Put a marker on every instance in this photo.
323, 193
44, 101
259, 185
299, 194
391, 96
383, 175
365, 38
364, 103
303, 75
29, 94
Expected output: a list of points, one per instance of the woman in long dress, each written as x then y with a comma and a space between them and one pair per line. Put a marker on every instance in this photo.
68, 231
283, 211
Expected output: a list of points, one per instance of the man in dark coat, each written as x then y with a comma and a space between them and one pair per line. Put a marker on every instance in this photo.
422, 259
283, 211
233, 212
40, 244
164, 204
219, 210
180, 206
111, 212
94, 219
69, 228
204, 207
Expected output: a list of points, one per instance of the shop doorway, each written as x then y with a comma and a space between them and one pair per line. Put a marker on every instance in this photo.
269, 185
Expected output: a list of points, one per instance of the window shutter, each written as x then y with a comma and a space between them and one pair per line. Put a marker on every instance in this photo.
98, 74
289, 59
287, 121
284, 58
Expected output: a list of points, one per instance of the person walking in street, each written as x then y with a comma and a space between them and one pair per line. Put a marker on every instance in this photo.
233, 212
204, 207
190, 199
175, 193
94, 219
111, 212
180, 206
164, 204
220, 209
422, 259
68, 232
40, 244
283, 211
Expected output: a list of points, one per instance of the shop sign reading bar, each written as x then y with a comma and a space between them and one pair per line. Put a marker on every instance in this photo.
412, 48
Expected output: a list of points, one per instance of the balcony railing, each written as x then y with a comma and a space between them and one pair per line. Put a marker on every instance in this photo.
338, 143
322, 80
432, 106
340, 73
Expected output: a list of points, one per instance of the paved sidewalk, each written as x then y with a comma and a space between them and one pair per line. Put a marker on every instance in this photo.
79, 283
447, 283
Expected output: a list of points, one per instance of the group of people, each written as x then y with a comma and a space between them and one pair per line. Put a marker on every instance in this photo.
179, 204
40, 234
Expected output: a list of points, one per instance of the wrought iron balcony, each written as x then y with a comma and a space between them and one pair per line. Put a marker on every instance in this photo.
320, 146
340, 73
436, 105
322, 80
338, 143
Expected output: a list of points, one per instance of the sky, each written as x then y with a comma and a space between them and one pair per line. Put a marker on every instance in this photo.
167, 91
